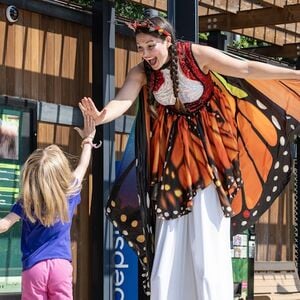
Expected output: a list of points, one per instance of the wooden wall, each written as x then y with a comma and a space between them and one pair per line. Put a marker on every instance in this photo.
49, 59
275, 229
126, 57
44, 58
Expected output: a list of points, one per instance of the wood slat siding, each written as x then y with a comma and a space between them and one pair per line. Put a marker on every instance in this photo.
44, 58
275, 230
126, 57
47, 59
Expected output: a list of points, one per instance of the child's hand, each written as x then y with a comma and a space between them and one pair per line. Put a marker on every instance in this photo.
88, 130
88, 108
8, 221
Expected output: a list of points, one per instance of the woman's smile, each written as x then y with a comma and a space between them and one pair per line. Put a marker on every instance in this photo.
152, 61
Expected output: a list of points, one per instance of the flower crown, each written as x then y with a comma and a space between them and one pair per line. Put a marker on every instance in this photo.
147, 24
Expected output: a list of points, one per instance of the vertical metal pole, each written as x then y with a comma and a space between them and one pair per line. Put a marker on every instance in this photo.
297, 203
171, 12
298, 63
217, 40
103, 167
183, 15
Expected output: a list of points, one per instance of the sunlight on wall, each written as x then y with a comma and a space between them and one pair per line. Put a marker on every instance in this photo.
38, 51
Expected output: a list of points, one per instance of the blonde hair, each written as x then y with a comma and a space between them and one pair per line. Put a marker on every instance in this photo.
47, 180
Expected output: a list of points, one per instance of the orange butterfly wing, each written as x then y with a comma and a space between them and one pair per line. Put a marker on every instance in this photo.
267, 114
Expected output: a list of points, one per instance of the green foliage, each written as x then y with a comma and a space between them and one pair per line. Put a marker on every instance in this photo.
129, 9
203, 36
124, 8
83, 2
247, 42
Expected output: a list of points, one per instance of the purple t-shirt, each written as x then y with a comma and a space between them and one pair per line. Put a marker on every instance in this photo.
39, 242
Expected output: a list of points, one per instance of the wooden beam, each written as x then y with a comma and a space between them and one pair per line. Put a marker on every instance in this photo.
232, 6
235, 6
290, 29
205, 11
239, 5
272, 35
62, 114
49, 112
252, 18
287, 50
276, 34
280, 3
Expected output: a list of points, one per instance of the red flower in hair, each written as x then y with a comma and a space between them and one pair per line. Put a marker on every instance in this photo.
147, 24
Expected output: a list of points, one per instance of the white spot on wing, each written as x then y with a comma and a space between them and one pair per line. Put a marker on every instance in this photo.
276, 123
286, 168
261, 105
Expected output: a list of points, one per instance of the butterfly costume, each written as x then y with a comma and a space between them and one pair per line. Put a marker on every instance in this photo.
189, 178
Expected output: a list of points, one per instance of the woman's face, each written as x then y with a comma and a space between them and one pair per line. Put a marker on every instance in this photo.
153, 50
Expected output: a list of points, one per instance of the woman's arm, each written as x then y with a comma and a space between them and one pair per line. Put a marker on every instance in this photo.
124, 99
8, 221
210, 59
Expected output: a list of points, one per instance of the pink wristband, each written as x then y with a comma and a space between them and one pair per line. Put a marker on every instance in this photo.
89, 140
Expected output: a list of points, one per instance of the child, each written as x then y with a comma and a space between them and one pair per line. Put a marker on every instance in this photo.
50, 192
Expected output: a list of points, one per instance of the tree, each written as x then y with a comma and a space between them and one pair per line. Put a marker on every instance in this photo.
83, 2
246, 42
129, 9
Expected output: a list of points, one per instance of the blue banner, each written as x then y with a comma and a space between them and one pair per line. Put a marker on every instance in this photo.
126, 270
126, 262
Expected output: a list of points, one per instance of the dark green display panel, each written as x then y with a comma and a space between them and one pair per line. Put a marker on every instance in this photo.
17, 131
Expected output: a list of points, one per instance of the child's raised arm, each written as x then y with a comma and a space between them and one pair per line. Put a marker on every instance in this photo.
8, 221
87, 134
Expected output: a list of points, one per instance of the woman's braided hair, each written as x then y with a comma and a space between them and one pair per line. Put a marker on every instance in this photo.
162, 29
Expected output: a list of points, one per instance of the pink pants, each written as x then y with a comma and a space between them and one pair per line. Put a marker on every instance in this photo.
48, 280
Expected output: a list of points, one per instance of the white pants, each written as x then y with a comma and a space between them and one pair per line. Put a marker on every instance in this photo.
192, 257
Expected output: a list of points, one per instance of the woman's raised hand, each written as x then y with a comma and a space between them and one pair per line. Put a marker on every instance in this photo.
88, 108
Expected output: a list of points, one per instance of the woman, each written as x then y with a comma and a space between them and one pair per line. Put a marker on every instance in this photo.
191, 160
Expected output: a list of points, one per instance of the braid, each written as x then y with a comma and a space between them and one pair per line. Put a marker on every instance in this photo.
151, 100
174, 75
